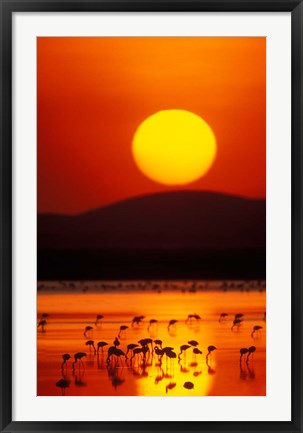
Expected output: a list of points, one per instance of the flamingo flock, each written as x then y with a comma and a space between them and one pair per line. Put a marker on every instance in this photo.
152, 355
147, 352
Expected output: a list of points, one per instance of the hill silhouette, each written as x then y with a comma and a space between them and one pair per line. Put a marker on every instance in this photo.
185, 219
159, 230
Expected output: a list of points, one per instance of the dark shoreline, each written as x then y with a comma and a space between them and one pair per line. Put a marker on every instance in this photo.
151, 264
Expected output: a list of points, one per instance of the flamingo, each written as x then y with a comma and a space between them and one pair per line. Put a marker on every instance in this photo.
255, 329
193, 343
158, 343
237, 323
159, 352
210, 350
223, 316
78, 358
197, 351
137, 320
116, 342
239, 316
151, 323
243, 351
100, 345
170, 354
146, 342
136, 351
123, 328
91, 343
88, 329
63, 384
251, 350
65, 357
113, 350
192, 316
98, 319
131, 347
42, 323
183, 348
172, 323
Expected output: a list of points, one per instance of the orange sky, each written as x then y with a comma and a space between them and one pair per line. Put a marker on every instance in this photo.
94, 92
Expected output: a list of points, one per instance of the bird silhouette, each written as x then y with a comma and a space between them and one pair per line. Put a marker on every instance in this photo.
251, 350
88, 329
42, 323
99, 319
197, 351
256, 329
136, 351
116, 342
170, 354
140, 351
239, 316
130, 348
223, 316
63, 384
100, 345
145, 342
237, 323
91, 344
151, 323
183, 348
210, 350
190, 317
65, 357
159, 352
243, 351
158, 343
137, 320
78, 359
171, 324
114, 351
123, 328
193, 343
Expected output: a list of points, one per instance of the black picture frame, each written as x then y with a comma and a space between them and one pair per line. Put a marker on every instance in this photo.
7, 8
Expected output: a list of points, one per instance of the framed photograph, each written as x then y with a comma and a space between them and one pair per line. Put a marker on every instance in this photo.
151, 216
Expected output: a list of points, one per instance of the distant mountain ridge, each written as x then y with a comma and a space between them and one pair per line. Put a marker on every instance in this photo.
179, 220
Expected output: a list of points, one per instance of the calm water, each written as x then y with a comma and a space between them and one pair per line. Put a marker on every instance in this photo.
73, 306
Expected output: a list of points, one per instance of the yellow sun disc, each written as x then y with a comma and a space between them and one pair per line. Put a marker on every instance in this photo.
174, 147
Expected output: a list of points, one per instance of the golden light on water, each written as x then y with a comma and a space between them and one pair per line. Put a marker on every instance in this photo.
69, 313
174, 147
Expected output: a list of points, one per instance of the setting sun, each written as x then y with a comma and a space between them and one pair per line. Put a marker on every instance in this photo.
174, 147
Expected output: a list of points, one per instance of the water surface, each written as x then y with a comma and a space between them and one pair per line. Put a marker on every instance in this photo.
73, 306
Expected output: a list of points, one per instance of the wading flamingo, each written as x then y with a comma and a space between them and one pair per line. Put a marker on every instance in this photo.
91, 344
